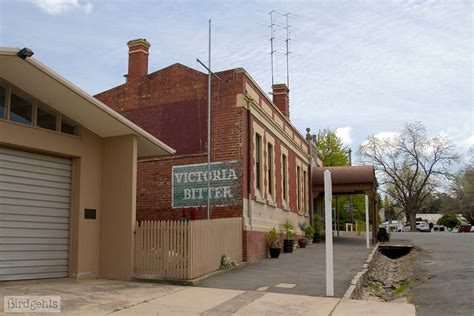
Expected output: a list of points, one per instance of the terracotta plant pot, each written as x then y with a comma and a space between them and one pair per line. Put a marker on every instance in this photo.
302, 242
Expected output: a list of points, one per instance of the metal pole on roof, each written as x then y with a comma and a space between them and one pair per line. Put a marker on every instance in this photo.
271, 41
209, 129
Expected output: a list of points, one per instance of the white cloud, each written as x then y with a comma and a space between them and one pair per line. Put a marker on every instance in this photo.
387, 135
466, 145
344, 133
470, 140
55, 7
417, 67
383, 136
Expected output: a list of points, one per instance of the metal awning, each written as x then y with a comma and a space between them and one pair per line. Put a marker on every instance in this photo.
346, 179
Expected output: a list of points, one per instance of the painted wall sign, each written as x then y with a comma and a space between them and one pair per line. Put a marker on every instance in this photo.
189, 184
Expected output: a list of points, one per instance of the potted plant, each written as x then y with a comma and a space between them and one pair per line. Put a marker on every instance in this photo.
273, 242
317, 229
288, 229
302, 242
309, 233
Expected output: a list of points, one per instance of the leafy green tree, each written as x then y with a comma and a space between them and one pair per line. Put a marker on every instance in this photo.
449, 220
464, 192
440, 203
331, 149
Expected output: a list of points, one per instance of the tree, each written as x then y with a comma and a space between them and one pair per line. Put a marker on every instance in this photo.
464, 191
392, 212
449, 220
440, 203
410, 165
331, 149
334, 153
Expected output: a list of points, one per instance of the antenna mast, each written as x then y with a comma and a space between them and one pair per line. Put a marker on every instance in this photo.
287, 15
275, 21
271, 41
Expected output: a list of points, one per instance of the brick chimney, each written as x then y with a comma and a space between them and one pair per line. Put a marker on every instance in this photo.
281, 98
137, 59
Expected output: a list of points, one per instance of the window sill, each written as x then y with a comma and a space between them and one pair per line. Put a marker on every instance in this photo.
286, 208
37, 128
271, 203
258, 199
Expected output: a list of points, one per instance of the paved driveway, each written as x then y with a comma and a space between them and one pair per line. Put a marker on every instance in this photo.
449, 258
302, 272
96, 297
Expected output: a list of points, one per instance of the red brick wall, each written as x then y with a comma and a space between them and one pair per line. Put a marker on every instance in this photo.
171, 104
254, 245
181, 125
292, 188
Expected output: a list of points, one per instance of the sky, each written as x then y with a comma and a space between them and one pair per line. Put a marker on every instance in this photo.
360, 67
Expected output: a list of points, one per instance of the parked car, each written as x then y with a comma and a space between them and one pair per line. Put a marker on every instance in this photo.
421, 226
440, 229
465, 228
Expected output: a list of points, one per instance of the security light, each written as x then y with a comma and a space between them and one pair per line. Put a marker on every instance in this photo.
25, 52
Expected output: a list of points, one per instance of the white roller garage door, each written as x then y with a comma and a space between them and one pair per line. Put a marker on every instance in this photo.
35, 195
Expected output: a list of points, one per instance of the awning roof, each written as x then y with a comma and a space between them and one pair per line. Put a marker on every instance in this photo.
43, 83
346, 179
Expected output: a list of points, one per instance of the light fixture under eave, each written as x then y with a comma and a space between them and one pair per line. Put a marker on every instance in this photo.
25, 52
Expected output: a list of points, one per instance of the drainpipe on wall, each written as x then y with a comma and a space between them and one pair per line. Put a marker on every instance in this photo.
249, 175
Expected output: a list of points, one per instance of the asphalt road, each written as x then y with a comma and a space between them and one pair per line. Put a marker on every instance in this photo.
302, 272
449, 259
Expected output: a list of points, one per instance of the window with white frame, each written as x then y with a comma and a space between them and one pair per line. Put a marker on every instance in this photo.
284, 165
270, 170
258, 162
304, 191
298, 188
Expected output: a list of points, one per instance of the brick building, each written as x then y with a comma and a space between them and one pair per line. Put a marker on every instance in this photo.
261, 163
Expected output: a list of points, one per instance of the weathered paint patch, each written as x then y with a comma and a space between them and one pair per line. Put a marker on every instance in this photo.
190, 182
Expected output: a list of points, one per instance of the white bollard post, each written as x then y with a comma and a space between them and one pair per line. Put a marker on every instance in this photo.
328, 229
367, 238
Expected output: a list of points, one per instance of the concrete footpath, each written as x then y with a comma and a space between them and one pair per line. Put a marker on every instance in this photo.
303, 271
107, 297
207, 301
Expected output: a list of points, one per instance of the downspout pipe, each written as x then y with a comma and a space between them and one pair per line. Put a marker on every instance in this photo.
249, 176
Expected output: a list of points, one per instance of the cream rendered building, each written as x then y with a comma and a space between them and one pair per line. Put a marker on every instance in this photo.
67, 177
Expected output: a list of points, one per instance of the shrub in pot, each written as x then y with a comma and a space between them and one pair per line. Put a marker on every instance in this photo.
302, 242
309, 233
317, 228
273, 242
288, 229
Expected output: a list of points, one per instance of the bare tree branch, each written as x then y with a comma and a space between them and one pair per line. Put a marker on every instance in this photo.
410, 165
